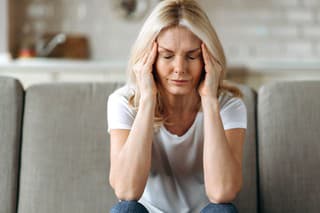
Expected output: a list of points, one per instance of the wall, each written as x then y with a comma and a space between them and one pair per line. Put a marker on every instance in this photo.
268, 30
110, 35
251, 31
271, 39
3, 29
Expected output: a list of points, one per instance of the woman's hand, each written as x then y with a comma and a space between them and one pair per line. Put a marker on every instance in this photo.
143, 71
209, 86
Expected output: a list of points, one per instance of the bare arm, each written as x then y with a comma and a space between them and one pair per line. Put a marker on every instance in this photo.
222, 154
131, 155
131, 150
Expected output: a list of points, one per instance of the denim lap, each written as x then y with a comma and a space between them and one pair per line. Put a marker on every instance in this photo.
219, 208
136, 207
128, 207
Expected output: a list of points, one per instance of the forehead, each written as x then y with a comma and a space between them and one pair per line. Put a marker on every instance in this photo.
178, 37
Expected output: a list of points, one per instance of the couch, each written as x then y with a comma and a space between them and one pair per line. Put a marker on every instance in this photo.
54, 148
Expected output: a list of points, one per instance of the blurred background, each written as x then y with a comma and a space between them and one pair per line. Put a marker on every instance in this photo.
90, 40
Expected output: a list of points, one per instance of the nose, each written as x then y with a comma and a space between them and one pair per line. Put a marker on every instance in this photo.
179, 65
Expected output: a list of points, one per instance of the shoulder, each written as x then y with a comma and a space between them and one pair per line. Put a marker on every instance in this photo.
122, 92
233, 111
119, 100
227, 100
121, 95
120, 115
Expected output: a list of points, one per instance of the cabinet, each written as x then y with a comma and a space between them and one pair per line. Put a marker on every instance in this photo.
35, 71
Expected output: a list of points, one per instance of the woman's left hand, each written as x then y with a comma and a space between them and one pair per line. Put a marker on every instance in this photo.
209, 86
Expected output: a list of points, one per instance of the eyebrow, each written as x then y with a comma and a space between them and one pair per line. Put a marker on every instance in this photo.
190, 51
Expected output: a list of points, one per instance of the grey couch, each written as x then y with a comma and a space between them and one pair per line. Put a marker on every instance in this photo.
54, 148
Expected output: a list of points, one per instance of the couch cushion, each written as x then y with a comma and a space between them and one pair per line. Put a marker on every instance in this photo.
65, 149
247, 198
11, 104
289, 148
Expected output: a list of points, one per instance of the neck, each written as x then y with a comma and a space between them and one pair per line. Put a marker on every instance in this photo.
181, 104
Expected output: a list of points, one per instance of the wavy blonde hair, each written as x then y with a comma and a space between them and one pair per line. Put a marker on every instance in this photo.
169, 13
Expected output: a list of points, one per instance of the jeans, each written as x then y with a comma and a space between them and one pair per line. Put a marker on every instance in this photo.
136, 207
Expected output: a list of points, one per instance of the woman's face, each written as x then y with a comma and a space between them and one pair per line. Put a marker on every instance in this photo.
179, 62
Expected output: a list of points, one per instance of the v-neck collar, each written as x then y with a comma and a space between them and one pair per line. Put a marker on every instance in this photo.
186, 134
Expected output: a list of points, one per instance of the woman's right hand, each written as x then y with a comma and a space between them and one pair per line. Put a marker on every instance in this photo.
143, 72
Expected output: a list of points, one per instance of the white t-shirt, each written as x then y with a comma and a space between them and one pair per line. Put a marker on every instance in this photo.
175, 182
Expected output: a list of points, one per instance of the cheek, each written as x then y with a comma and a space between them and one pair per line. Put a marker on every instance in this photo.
197, 77
161, 68
198, 68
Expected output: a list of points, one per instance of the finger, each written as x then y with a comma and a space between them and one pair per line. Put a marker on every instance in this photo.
145, 58
153, 54
204, 54
210, 58
146, 55
206, 57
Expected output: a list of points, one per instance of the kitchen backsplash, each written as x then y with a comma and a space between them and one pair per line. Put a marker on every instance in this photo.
250, 30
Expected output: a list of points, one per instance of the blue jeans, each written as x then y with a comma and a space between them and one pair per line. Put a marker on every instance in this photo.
136, 207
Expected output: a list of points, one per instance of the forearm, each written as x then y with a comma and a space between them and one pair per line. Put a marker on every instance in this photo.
222, 171
134, 160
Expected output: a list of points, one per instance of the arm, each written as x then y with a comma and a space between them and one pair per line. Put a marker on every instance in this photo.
131, 150
222, 154
131, 154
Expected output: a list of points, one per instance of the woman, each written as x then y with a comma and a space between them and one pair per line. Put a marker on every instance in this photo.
176, 128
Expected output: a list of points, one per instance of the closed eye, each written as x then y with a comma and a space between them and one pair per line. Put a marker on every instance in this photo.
167, 56
192, 57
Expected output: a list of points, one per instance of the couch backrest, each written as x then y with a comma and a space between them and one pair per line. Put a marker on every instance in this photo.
246, 201
289, 147
11, 104
65, 150
65, 146
65, 159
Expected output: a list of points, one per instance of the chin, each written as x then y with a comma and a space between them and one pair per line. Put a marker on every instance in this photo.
180, 91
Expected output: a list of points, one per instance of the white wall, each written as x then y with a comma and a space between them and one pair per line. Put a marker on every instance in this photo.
3, 29
267, 31
251, 31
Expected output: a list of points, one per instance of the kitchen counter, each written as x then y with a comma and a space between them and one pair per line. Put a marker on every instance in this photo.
85, 65
254, 73
42, 70
46, 64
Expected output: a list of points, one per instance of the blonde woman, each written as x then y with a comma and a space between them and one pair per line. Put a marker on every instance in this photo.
176, 129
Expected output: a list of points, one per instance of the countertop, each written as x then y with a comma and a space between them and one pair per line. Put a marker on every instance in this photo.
46, 64
65, 65
254, 73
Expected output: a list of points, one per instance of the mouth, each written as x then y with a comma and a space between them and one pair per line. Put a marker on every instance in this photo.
179, 81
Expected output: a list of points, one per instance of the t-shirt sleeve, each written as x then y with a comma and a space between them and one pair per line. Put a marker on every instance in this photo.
120, 115
234, 114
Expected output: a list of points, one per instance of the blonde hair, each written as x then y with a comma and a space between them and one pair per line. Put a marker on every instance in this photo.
169, 13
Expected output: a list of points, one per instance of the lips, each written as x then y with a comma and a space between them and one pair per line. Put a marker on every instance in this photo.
179, 81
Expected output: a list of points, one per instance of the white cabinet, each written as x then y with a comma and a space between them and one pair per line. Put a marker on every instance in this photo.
36, 71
